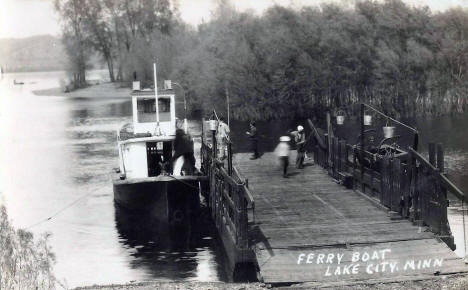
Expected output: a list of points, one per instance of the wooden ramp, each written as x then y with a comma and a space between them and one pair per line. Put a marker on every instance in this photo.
309, 229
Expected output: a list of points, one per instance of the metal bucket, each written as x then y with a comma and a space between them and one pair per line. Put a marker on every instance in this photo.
367, 120
213, 125
389, 131
340, 120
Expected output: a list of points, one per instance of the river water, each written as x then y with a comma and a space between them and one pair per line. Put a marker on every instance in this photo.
55, 150
56, 154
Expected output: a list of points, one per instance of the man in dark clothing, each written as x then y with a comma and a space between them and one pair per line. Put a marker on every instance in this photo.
253, 136
300, 145
183, 146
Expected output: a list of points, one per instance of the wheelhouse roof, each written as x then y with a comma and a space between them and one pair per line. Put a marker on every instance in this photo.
150, 93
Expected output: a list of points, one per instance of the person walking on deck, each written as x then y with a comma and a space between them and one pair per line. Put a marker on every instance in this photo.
300, 140
253, 136
222, 136
282, 151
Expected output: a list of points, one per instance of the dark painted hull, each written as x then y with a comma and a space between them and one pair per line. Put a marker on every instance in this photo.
168, 200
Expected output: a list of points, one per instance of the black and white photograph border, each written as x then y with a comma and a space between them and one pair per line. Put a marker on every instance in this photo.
233, 144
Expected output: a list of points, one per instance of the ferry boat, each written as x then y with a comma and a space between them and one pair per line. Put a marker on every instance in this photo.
156, 162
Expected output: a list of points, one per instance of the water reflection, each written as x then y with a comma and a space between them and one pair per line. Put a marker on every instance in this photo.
172, 252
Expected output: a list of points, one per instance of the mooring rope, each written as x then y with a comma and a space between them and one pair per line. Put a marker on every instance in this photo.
63, 209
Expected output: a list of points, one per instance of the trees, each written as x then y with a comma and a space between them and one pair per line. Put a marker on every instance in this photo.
74, 38
111, 28
24, 262
286, 62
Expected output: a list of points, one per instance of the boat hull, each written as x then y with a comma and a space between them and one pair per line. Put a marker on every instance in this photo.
170, 200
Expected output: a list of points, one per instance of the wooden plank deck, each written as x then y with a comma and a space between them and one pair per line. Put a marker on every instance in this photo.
305, 223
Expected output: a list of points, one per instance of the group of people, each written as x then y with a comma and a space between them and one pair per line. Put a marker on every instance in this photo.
282, 150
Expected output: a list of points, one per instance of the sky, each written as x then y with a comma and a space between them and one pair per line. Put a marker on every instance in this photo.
23, 18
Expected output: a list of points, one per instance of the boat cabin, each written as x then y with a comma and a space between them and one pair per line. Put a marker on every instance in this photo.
144, 112
144, 149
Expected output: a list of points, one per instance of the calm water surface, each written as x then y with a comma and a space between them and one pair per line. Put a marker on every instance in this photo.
54, 150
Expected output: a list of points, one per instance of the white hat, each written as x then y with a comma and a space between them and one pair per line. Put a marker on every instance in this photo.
285, 139
300, 128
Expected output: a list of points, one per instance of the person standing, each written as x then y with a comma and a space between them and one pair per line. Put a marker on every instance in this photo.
253, 136
183, 154
300, 140
282, 151
222, 136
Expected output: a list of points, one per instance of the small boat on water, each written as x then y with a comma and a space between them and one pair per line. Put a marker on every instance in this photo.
156, 162
15, 82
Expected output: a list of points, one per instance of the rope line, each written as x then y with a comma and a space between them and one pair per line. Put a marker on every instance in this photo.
62, 209
390, 118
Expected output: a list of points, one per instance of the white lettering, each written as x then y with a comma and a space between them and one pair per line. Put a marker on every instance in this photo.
299, 259
438, 262
375, 255
340, 256
426, 263
355, 257
368, 269
383, 253
393, 266
355, 269
409, 264
320, 258
346, 269
337, 271
365, 257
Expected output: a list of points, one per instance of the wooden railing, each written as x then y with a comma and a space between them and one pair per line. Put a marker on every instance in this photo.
412, 186
229, 196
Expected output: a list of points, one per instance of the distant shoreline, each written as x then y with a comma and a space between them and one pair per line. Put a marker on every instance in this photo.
100, 91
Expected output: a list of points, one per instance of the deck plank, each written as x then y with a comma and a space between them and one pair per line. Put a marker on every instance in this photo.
310, 213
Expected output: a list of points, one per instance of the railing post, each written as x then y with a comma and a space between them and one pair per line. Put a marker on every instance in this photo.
396, 188
202, 161
326, 153
432, 154
215, 149
354, 168
344, 156
363, 187
440, 158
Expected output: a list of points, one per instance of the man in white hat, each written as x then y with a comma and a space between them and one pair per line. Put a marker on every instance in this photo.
282, 151
300, 140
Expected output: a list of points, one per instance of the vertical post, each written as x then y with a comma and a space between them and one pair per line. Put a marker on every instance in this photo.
330, 145
202, 159
156, 96
229, 148
416, 141
215, 149
354, 167
432, 154
440, 158
363, 188
227, 101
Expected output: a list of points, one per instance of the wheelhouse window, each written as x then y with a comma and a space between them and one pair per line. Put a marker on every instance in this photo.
147, 110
